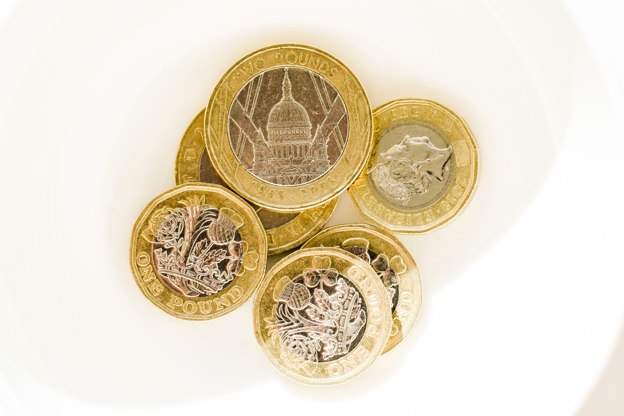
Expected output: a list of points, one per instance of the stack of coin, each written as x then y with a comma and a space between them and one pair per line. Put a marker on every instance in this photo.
287, 129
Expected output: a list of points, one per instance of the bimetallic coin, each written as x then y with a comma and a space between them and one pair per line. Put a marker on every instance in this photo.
198, 251
422, 170
285, 231
322, 315
288, 127
393, 264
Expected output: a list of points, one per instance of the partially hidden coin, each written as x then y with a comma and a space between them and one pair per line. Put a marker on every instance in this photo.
322, 315
284, 231
422, 170
393, 264
198, 251
288, 127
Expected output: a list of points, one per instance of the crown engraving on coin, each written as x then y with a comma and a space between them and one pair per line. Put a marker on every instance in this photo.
292, 138
319, 317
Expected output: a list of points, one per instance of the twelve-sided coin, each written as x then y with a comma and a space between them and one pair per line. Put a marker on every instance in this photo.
322, 315
198, 251
391, 261
422, 170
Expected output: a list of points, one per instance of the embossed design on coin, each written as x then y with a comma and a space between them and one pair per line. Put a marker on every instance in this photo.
390, 261
270, 219
288, 125
284, 230
417, 183
197, 249
381, 264
407, 169
320, 316
415, 171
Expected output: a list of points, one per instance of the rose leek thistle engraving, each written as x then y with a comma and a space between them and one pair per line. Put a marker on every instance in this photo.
390, 260
319, 316
197, 249
322, 315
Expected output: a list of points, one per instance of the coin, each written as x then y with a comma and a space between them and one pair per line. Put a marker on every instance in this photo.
391, 261
322, 315
198, 251
422, 170
288, 127
284, 231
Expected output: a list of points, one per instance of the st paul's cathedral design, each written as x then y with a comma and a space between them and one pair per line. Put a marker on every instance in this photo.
293, 153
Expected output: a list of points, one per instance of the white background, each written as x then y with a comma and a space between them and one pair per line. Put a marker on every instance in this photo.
524, 295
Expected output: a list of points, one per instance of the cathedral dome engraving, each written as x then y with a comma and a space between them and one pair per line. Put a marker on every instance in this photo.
288, 120
285, 140
288, 111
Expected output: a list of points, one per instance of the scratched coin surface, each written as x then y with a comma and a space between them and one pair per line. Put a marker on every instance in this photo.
422, 170
393, 264
198, 251
322, 315
288, 127
285, 231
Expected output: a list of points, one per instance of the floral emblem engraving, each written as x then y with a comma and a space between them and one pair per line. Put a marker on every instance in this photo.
320, 316
197, 249
408, 168
381, 264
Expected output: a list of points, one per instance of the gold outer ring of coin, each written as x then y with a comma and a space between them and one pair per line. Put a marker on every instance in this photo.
409, 297
289, 198
363, 350
149, 275
292, 231
458, 193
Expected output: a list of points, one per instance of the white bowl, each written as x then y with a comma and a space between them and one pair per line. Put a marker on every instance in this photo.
523, 299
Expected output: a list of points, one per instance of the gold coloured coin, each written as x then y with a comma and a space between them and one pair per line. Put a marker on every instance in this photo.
391, 261
322, 315
198, 251
288, 127
285, 231
422, 170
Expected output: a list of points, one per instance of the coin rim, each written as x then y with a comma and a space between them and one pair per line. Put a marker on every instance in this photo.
456, 210
384, 326
412, 272
310, 224
240, 204
346, 169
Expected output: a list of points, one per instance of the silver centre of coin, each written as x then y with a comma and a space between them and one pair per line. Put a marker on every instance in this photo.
320, 316
288, 125
197, 250
414, 166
